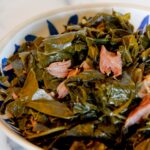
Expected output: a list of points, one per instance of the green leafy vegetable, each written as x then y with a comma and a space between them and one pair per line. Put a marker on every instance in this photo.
30, 85
52, 108
81, 107
47, 132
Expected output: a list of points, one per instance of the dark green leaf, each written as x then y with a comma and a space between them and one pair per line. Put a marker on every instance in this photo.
4, 81
52, 108
81, 130
30, 85
145, 54
145, 145
16, 108
47, 132
87, 76
58, 42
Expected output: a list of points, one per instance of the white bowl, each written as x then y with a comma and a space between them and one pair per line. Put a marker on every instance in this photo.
52, 22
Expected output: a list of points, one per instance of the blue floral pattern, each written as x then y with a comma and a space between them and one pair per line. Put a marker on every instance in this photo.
144, 23
52, 29
16, 48
30, 37
73, 20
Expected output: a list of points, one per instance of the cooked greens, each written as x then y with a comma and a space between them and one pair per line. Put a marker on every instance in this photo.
85, 89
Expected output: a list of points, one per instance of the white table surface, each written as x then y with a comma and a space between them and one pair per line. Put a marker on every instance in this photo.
14, 12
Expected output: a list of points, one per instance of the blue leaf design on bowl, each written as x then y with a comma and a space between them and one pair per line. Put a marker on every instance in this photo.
73, 20
30, 37
8, 73
144, 23
16, 48
4, 62
52, 29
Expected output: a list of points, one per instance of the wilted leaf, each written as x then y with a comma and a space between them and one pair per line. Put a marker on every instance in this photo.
30, 85
4, 81
47, 132
52, 108
58, 42
87, 76
144, 145
81, 130
16, 108
145, 54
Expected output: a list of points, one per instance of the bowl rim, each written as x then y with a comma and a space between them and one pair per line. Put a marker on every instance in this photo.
3, 127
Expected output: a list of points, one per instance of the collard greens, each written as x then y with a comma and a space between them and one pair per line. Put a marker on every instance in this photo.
61, 95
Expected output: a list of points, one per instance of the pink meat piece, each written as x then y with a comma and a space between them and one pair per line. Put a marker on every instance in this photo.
62, 90
59, 69
139, 112
110, 62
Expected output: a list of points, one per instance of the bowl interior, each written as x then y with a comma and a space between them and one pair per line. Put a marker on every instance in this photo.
53, 23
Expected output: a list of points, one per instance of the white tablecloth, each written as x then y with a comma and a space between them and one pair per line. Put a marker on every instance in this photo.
14, 12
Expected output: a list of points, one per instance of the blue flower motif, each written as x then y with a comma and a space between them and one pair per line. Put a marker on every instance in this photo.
8, 73
30, 37
144, 23
73, 20
4, 62
16, 48
52, 29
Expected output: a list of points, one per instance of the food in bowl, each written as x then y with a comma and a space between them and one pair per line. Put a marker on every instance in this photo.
87, 88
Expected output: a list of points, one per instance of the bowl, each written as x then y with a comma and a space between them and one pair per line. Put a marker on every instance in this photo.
51, 23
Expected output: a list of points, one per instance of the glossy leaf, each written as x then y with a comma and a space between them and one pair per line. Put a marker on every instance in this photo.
144, 145
16, 108
47, 132
144, 23
58, 42
30, 85
81, 130
52, 108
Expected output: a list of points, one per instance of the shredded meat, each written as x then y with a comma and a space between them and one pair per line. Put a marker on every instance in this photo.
110, 62
139, 112
59, 69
